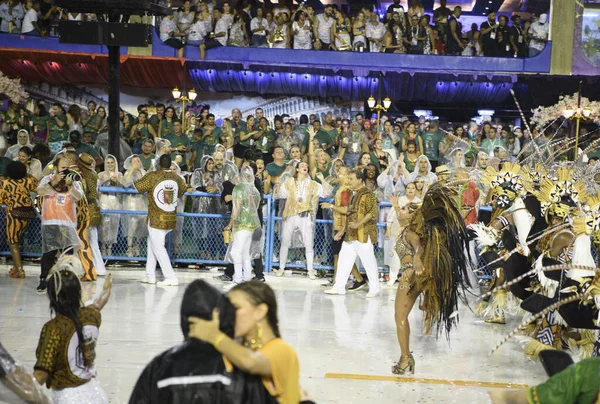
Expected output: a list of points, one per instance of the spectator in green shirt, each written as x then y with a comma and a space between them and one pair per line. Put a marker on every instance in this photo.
90, 122
180, 145
431, 143
166, 125
157, 118
81, 147
39, 127
57, 127
324, 137
147, 156
211, 134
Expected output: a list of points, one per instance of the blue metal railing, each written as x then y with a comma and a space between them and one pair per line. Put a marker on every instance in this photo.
198, 237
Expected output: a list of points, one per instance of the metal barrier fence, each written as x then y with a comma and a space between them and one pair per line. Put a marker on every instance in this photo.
198, 237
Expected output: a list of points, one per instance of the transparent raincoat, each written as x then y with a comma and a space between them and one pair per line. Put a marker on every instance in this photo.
101, 145
59, 215
109, 227
134, 225
178, 230
245, 204
202, 179
17, 385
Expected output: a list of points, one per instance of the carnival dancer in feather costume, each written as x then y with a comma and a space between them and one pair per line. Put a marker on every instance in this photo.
435, 238
505, 239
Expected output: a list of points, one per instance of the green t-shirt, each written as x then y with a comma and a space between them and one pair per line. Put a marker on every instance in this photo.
199, 148
324, 172
167, 128
55, 132
213, 139
266, 142
274, 170
324, 136
146, 161
177, 141
431, 144
90, 127
155, 122
86, 148
236, 129
39, 123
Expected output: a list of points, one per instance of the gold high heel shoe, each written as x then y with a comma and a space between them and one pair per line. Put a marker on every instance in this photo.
409, 368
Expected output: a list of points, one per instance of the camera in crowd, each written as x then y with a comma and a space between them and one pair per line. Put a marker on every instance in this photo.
71, 174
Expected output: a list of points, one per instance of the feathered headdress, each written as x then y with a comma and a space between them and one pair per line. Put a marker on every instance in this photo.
588, 221
559, 194
507, 184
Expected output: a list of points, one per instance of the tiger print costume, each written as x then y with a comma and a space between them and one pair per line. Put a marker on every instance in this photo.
83, 221
14, 194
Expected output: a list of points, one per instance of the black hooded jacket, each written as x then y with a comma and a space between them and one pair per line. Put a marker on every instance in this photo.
194, 372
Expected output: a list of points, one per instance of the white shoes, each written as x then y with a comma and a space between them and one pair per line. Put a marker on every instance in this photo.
168, 282
311, 275
149, 281
372, 294
279, 273
335, 292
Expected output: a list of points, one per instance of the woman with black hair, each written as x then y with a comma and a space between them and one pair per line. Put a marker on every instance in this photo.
15, 194
34, 167
263, 351
67, 346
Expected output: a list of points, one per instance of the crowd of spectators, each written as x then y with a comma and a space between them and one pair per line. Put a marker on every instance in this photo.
400, 29
354, 140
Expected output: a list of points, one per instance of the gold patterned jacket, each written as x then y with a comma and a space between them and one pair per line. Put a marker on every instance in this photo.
363, 202
163, 188
294, 205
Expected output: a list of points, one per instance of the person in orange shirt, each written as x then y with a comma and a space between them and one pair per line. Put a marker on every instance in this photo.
263, 351
60, 192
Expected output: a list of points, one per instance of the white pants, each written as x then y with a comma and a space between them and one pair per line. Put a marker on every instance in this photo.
157, 252
96, 254
240, 255
306, 227
350, 250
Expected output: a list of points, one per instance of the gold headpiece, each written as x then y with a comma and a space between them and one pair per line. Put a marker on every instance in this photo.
506, 185
559, 194
589, 221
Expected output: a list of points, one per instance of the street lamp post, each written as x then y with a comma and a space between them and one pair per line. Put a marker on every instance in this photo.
577, 113
374, 106
183, 98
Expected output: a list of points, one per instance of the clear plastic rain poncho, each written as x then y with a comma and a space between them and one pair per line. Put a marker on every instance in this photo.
59, 216
17, 385
455, 159
101, 145
178, 230
109, 227
134, 225
386, 181
203, 178
428, 177
245, 204
227, 171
